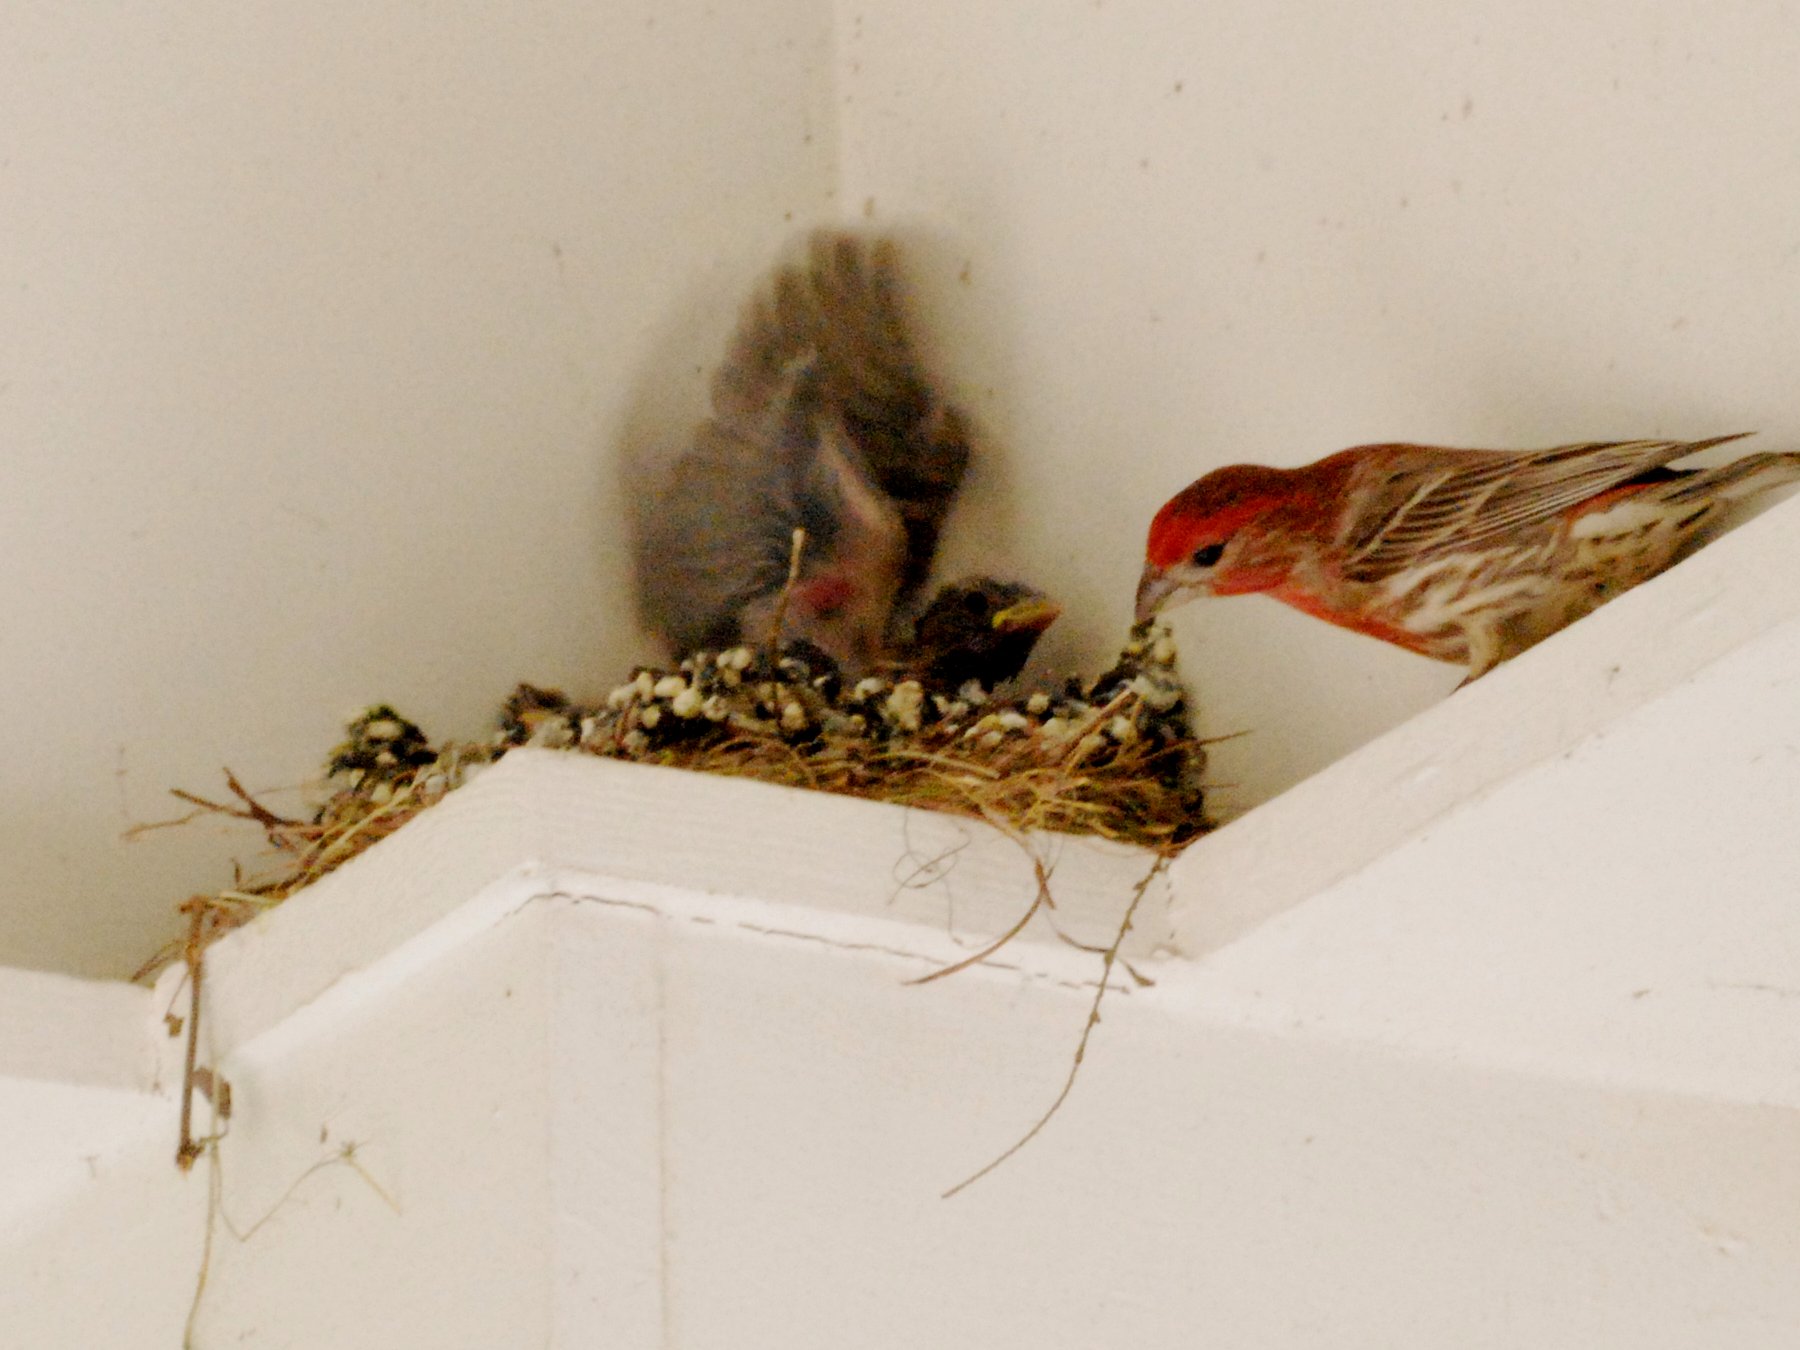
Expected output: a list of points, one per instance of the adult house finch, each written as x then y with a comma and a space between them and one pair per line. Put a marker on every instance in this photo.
822, 420
1468, 556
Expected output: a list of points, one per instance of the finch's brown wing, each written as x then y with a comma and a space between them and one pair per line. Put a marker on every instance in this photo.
775, 344
719, 538
1416, 504
821, 419
833, 318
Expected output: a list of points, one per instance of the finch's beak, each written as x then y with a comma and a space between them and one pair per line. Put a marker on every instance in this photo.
1028, 616
1155, 588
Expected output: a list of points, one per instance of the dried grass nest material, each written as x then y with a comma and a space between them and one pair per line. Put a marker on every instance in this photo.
1113, 757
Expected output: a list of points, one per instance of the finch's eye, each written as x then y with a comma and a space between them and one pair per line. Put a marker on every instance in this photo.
1208, 554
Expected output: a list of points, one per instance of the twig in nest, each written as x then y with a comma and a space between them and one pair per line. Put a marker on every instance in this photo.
249, 809
344, 1157
214, 1184
1041, 900
787, 591
215, 1213
1141, 980
1081, 747
922, 872
194, 1078
1110, 957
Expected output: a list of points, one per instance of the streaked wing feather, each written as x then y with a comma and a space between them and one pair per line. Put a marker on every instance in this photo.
1427, 508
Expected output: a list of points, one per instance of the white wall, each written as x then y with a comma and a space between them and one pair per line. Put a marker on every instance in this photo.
324, 328
328, 332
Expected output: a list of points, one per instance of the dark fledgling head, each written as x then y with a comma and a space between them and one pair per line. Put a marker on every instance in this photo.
977, 629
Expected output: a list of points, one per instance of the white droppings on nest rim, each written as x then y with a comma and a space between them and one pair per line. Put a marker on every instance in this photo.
904, 704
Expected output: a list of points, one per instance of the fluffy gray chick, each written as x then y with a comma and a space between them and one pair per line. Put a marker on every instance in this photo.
821, 420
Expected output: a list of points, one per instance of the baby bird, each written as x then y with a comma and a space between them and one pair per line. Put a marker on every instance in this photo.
976, 629
822, 421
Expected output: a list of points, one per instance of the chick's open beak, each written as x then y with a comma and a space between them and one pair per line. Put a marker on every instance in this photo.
1154, 590
1028, 616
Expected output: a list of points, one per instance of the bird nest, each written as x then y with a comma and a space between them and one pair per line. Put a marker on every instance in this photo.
1112, 757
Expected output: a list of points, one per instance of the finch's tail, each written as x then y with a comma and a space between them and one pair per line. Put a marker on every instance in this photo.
1739, 479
